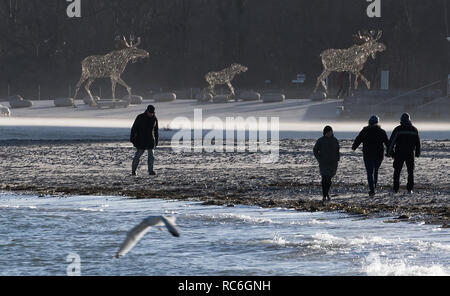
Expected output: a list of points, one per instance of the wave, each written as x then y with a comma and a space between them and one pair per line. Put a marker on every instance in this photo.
241, 218
312, 222
277, 240
374, 265
227, 217
327, 240
50, 209
90, 210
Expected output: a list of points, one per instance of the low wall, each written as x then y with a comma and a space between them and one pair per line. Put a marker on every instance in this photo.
391, 104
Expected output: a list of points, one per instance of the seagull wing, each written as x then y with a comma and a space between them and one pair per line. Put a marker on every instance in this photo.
170, 224
135, 234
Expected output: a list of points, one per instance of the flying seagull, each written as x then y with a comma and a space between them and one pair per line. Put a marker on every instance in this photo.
140, 230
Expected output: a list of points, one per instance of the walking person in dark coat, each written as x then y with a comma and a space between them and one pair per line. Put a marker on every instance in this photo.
327, 154
144, 136
373, 137
404, 144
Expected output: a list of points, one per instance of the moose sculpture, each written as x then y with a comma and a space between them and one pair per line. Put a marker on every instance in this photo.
111, 65
351, 60
224, 77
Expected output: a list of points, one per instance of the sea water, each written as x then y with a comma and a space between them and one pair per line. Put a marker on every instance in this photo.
40, 234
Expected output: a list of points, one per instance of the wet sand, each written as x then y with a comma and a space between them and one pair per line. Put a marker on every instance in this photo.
103, 168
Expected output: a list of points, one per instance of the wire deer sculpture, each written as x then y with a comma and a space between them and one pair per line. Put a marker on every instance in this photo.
223, 77
351, 60
111, 65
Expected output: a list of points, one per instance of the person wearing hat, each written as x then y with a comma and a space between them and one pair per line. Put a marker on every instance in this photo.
326, 151
404, 145
144, 136
372, 137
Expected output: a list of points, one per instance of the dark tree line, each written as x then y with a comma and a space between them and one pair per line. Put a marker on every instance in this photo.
276, 39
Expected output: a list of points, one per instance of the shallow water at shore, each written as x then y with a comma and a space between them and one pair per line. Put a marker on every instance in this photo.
39, 233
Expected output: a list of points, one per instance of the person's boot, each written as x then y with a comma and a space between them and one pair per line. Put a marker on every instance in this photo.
328, 198
372, 193
152, 173
395, 189
133, 173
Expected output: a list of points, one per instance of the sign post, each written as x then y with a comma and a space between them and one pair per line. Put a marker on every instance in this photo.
301, 78
267, 82
385, 80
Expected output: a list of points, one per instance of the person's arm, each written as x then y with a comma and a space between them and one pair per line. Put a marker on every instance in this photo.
418, 148
358, 141
338, 148
316, 151
133, 132
156, 132
385, 139
392, 142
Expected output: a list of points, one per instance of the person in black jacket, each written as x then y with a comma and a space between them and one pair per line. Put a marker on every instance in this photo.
373, 137
404, 144
144, 136
327, 154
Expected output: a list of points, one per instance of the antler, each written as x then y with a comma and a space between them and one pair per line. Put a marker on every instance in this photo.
121, 42
134, 44
361, 38
380, 33
374, 35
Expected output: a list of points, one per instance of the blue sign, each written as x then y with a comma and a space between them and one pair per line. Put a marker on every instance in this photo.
301, 78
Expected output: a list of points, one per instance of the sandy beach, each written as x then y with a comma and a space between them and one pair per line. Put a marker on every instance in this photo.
85, 151
103, 168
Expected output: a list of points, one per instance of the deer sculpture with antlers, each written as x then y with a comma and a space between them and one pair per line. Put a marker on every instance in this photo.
111, 65
351, 60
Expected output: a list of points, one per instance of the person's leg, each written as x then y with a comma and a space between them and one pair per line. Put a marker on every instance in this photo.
369, 163
377, 164
410, 168
151, 160
136, 159
327, 186
398, 165
324, 187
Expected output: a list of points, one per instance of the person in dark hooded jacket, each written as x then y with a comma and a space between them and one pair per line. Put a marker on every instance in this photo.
144, 136
404, 145
326, 151
372, 137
